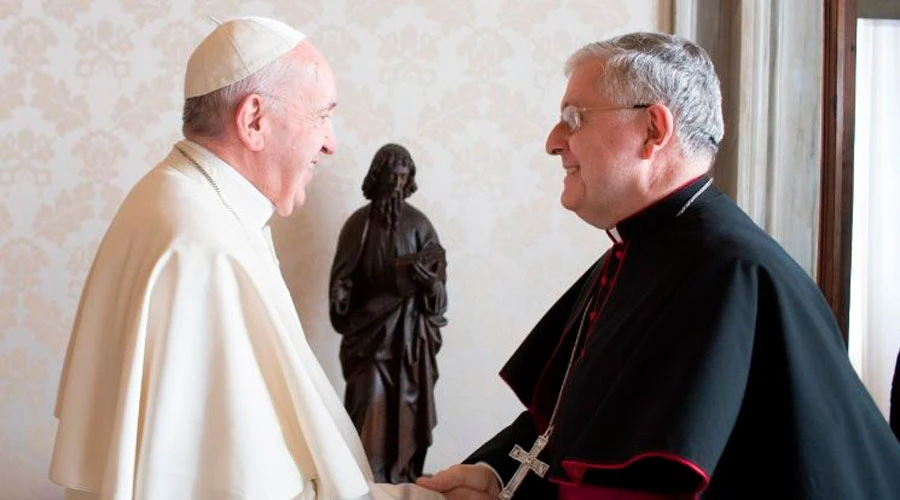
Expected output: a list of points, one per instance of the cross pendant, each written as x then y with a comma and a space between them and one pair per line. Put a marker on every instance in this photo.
529, 463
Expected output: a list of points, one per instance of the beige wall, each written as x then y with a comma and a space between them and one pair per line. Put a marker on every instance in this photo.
90, 101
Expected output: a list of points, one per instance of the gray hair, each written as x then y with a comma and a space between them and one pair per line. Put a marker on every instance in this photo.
205, 115
648, 68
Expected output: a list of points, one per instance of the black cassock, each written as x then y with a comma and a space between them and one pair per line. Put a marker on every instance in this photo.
712, 367
391, 333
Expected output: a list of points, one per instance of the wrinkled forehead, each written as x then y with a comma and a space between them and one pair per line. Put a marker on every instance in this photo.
583, 87
315, 77
323, 77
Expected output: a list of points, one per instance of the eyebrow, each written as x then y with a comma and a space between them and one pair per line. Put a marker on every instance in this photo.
329, 107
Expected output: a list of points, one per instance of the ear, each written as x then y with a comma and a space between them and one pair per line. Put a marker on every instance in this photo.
248, 118
660, 127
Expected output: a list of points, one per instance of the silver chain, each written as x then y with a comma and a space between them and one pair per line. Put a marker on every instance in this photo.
562, 387
694, 198
211, 182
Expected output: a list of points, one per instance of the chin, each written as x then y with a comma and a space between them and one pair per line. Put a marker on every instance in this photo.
568, 203
284, 211
299, 201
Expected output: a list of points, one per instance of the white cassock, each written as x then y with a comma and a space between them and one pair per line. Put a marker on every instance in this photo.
187, 374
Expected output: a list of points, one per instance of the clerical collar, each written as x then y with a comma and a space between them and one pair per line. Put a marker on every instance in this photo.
664, 210
239, 194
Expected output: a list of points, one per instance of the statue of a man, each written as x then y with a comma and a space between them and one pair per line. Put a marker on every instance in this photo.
388, 299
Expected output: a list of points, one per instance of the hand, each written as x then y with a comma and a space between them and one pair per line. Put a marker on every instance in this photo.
426, 277
340, 296
464, 482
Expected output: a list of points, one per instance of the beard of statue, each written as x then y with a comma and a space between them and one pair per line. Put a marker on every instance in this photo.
388, 208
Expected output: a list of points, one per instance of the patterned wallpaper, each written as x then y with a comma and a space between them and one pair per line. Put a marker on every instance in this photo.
90, 94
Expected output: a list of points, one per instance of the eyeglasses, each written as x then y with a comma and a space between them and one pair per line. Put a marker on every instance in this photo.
571, 115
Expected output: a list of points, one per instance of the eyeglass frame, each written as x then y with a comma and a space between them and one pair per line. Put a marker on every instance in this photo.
576, 113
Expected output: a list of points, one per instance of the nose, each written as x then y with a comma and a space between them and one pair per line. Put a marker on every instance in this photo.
330, 143
556, 140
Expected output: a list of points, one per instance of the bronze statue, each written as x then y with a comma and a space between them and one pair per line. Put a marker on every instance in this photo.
388, 299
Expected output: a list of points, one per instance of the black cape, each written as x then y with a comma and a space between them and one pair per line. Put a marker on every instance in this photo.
714, 368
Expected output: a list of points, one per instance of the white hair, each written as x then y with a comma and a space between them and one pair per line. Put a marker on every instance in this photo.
648, 68
205, 115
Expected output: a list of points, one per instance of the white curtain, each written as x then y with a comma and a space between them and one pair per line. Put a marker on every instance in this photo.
875, 268
769, 58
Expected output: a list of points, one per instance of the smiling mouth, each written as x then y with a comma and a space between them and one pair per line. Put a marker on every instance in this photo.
571, 170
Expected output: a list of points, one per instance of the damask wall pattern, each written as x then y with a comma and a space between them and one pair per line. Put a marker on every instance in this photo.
90, 95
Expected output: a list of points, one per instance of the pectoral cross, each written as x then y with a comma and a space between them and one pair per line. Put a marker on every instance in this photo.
529, 463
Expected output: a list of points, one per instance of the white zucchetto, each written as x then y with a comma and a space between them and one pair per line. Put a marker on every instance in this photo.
235, 50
